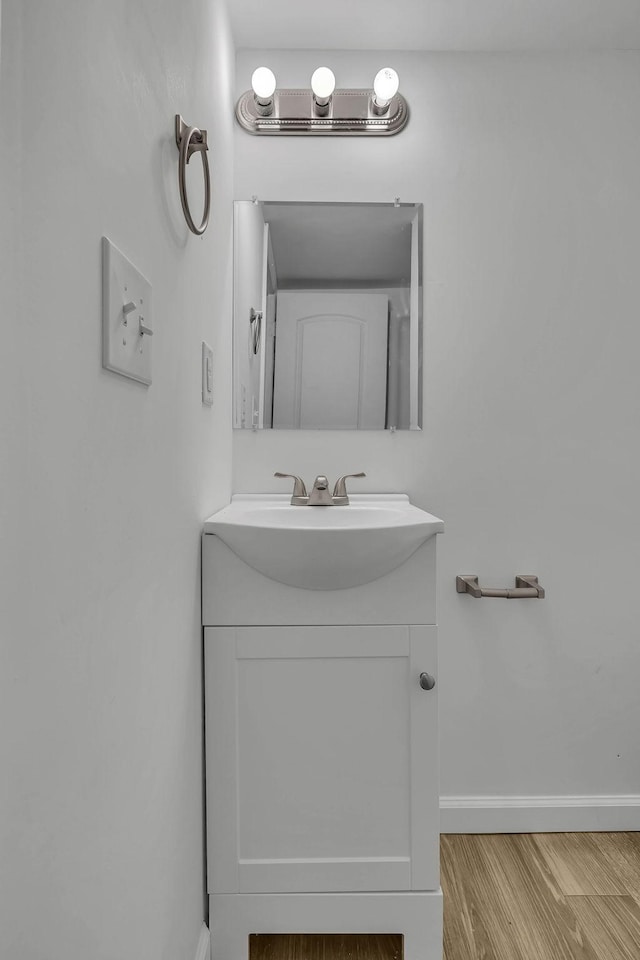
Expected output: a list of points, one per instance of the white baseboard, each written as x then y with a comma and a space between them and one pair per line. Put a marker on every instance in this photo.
203, 950
538, 814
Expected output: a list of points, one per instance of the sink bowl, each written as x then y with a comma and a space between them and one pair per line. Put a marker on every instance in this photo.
323, 548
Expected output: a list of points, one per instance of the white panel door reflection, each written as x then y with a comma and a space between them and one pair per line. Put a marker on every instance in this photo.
331, 360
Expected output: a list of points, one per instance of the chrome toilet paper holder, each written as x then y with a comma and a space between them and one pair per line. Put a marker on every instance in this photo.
527, 587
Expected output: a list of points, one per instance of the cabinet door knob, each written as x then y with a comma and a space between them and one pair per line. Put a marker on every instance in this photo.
427, 682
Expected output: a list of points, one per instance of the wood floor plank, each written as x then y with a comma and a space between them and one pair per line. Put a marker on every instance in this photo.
579, 866
502, 904
622, 852
317, 946
459, 936
612, 925
485, 928
528, 850
542, 926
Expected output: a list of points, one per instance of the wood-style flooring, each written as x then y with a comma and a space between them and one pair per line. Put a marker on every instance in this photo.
553, 896
325, 946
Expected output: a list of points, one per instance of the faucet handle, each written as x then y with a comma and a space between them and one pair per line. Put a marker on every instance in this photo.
340, 489
299, 489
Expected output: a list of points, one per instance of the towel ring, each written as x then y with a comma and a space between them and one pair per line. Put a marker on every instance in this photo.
190, 140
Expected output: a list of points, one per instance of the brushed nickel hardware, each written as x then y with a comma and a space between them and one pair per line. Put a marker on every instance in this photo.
527, 586
255, 325
349, 112
190, 140
340, 498
299, 497
320, 496
427, 682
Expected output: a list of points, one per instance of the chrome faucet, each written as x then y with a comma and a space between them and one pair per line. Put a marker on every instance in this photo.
320, 496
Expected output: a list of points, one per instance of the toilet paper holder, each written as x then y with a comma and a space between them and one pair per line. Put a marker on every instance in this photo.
527, 587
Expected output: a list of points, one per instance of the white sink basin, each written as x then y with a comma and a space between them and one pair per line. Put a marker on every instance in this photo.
323, 548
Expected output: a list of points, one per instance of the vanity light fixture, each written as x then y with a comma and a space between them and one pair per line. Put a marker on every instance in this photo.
322, 109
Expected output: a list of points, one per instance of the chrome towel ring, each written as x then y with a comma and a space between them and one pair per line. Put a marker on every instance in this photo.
190, 140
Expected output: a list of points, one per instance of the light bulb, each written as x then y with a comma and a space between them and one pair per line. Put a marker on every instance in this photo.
323, 83
385, 86
263, 82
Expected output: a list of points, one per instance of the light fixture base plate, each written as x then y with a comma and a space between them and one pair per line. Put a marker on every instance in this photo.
350, 114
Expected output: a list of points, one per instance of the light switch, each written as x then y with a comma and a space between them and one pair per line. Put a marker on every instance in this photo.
127, 328
207, 374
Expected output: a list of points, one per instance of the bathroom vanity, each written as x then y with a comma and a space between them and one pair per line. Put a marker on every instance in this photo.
321, 722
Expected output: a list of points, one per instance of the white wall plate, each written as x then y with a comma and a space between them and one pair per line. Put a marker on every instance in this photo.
126, 316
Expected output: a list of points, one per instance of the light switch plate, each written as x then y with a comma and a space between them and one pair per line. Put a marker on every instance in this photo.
207, 374
126, 312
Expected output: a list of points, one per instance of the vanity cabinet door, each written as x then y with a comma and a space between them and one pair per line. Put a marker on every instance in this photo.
321, 759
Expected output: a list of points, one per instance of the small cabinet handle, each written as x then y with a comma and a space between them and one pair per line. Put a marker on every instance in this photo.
427, 682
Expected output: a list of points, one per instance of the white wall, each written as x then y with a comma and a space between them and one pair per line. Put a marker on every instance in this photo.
102, 768
14, 546
528, 169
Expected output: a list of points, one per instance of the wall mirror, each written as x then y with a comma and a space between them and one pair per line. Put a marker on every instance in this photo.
327, 316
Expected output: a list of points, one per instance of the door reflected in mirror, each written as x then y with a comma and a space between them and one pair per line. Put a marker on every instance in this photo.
327, 316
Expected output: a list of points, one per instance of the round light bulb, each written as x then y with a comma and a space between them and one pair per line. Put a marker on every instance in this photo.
385, 85
263, 82
323, 83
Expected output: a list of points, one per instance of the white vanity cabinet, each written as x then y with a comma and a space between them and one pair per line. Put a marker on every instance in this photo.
322, 747
321, 756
